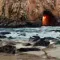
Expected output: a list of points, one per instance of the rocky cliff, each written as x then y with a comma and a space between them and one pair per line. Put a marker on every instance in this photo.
18, 13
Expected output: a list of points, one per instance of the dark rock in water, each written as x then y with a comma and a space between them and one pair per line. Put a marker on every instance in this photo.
28, 49
9, 49
42, 43
39, 41
34, 38
10, 37
3, 33
23, 34
1, 36
55, 30
49, 38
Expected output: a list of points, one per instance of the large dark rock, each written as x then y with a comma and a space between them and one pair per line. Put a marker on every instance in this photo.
42, 43
3, 33
9, 49
34, 38
1, 36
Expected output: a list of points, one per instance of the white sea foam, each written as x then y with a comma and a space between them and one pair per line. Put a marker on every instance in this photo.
26, 33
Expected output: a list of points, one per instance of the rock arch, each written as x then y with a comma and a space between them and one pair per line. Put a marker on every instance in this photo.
48, 19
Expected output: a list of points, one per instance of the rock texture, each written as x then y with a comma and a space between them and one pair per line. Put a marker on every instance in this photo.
23, 12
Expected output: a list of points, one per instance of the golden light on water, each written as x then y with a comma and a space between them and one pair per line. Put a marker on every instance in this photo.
45, 20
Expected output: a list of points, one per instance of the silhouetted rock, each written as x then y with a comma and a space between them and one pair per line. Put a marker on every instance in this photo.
3, 33
42, 43
9, 49
1, 36
34, 38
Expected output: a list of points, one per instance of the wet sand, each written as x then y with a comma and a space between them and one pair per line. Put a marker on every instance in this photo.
32, 55
22, 56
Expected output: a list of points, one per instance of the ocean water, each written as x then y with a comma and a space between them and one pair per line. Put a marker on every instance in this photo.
26, 33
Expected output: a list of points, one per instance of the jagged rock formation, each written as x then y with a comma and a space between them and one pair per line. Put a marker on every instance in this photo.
24, 12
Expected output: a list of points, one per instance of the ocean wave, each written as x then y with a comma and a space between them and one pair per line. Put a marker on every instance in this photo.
26, 33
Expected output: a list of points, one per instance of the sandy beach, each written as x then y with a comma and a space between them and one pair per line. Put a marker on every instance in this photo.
22, 56
53, 52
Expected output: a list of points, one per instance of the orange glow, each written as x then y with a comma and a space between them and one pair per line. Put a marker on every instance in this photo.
45, 20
